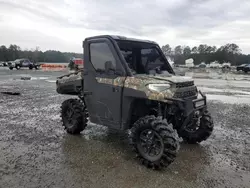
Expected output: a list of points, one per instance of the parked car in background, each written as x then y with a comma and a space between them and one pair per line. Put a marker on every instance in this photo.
246, 69
3, 64
202, 65
226, 66
241, 67
19, 63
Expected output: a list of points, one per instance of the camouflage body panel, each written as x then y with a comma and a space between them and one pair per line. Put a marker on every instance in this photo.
70, 77
139, 83
68, 84
119, 81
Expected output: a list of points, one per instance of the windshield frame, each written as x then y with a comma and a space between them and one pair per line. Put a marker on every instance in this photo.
130, 44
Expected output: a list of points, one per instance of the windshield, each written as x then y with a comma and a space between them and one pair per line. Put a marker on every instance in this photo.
143, 58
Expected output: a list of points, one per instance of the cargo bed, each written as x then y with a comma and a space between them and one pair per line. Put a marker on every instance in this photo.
69, 84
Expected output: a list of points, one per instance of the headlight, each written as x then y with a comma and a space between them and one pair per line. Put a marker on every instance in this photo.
158, 87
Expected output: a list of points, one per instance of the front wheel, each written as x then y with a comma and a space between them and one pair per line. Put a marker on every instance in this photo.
198, 130
74, 116
154, 141
11, 68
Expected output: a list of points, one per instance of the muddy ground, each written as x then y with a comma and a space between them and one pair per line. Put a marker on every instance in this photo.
35, 151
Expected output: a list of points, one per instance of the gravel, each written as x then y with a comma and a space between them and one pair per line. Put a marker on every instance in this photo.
35, 151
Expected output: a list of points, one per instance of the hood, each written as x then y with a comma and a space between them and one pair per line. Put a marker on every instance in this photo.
164, 78
140, 82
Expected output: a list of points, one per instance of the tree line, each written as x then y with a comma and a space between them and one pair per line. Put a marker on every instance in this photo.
14, 52
204, 53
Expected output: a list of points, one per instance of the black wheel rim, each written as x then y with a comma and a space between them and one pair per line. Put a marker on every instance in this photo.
193, 126
150, 145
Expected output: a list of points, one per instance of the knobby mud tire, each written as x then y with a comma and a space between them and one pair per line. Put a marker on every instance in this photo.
78, 119
168, 135
202, 133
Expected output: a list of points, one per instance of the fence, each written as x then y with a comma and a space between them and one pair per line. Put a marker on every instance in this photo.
53, 67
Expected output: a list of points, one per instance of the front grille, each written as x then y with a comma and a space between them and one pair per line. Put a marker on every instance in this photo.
185, 94
184, 84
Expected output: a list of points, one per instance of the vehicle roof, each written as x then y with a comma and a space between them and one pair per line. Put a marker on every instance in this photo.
118, 37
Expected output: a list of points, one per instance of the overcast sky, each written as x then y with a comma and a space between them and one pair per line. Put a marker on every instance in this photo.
63, 25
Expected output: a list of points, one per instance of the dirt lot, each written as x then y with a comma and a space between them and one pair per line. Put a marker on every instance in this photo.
35, 151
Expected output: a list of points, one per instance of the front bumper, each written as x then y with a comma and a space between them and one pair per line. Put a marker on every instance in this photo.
192, 106
189, 106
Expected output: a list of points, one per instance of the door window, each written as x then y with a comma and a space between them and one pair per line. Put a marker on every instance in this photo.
100, 53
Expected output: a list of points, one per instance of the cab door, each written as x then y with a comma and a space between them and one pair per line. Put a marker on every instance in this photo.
25, 63
104, 76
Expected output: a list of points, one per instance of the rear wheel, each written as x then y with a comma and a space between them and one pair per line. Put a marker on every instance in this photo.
11, 68
154, 141
197, 130
74, 116
18, 67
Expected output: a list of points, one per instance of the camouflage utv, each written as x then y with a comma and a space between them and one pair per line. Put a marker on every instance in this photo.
128, 84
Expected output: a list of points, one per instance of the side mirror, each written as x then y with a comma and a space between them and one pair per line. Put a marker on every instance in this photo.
109, 67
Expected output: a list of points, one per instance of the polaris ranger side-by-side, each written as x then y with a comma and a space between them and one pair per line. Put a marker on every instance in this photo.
129, 84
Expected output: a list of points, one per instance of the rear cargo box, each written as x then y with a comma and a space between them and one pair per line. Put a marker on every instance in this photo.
69, 84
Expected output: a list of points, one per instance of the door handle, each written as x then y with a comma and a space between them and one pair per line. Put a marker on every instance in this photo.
115, 89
